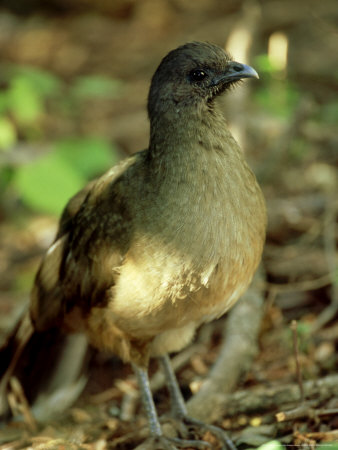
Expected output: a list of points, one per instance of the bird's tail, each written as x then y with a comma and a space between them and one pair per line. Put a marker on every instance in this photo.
10, 354
48, 365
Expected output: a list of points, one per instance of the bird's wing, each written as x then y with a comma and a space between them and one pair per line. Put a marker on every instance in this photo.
71, 209
83, 261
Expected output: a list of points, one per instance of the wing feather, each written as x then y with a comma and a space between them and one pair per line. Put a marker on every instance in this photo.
83, 261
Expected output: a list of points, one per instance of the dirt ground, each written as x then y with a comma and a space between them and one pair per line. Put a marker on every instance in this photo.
284, 384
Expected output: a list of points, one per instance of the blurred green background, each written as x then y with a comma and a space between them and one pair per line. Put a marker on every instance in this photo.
74, 77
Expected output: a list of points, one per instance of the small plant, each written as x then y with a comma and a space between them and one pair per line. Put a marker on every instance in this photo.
45, 182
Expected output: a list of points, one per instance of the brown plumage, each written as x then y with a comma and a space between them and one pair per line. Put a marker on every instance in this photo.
169, 238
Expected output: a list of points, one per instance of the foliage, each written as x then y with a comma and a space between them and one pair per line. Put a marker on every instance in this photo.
47, 183
277, 95
271, 445
95, 86
8, 135
27, 97
328, 446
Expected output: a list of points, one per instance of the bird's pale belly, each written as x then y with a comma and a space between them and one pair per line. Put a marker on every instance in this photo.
158, 301
173, 340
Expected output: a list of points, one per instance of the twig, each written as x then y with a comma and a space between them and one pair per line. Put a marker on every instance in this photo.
301, 440
13, 445
129, 400
105, 396
304, 410
296, 352
19, 404
308, 285
256, 400
326, 436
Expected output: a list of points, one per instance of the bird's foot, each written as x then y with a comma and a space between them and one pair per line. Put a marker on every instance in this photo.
187, 423
169, 443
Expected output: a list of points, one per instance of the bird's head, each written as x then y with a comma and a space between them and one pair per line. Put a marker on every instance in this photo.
193, 75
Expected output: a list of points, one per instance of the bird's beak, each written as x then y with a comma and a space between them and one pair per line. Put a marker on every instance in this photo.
235, 71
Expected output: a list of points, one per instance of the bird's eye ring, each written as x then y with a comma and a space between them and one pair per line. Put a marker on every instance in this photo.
198, 75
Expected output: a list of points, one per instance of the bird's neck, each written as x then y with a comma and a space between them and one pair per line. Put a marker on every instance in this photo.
181, 131
186, 144
196, 163
196, 166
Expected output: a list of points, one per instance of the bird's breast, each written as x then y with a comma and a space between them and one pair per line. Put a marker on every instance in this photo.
196, 255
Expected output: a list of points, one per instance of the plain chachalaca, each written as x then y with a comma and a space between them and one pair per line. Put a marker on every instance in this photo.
167, 239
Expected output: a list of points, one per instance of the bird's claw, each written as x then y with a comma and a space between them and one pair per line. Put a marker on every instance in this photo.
169, 443
217, 432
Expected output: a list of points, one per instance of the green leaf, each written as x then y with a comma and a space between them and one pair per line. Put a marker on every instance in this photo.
47, 184
264, 64
271, 445
279, 98
3, 101
24, 101
328, 446
7, 134
6, 176
43, 82
90, 155
303, 329
95, 86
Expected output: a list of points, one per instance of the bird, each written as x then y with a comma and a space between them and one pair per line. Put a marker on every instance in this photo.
166, 240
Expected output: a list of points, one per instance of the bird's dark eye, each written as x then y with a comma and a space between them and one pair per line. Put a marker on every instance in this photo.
198, 75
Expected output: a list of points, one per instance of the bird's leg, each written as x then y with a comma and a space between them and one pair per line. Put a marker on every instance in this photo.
147, 400
179, 409
154, 424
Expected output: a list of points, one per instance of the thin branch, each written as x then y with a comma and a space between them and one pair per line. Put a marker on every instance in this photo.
304, 410
308, 285
296, 353
260, 400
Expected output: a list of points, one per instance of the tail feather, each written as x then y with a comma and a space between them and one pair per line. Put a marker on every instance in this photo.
49, 366
10, 354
